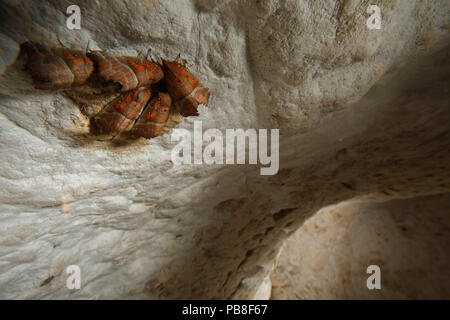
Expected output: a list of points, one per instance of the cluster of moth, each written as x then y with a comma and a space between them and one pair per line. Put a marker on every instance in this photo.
145, 99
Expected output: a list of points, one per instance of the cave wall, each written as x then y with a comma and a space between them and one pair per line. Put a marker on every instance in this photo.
362, 113
328, 257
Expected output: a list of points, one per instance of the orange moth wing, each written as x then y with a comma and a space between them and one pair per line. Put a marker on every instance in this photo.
147, 72
120, 114
51, 70
153, 120
130, 73
186, 90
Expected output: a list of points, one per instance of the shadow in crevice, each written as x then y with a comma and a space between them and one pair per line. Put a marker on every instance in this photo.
385, 152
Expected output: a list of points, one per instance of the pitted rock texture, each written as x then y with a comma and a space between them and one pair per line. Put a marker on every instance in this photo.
361, 113
327, 258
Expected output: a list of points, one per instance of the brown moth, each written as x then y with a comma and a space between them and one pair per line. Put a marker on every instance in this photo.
120, 114
130, 73
185, 89
57, 69
154, 121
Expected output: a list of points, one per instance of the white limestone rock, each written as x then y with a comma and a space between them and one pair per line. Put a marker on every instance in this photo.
327, 258
364, 108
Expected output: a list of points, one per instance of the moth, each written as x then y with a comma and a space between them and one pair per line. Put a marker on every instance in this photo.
61, 69
128, 92
154, 120
186, 90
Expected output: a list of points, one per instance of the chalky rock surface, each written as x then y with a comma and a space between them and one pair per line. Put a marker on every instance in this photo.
363, 114
327, 258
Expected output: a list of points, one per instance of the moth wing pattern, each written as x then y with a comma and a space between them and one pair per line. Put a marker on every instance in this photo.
186, 90
111, 69
120, 114
147, 72
81, 66
114, 92
56, 70
130, 73
157, 119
